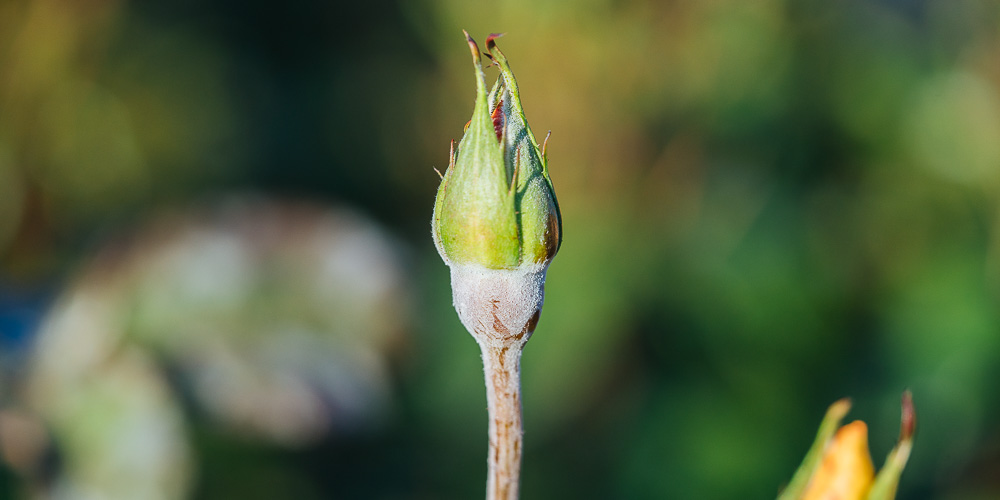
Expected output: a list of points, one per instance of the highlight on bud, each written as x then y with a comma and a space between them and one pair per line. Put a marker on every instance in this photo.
495, 206
839, 466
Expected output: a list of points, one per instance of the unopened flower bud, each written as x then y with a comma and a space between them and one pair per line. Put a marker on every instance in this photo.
497, 226
495, 206
496, 221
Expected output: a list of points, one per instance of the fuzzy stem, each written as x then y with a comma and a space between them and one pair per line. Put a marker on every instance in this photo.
502, 366
500, 308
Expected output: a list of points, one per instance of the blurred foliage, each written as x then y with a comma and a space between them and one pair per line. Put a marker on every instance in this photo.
272, 321
767, 206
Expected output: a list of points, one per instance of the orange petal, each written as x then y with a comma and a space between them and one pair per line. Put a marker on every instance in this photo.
846, 472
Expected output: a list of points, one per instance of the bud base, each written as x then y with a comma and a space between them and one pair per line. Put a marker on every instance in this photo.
499, 307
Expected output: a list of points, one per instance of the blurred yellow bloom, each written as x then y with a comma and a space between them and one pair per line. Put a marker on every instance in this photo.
839, 466
846, 471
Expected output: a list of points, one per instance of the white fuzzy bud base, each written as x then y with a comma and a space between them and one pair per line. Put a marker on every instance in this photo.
500, 308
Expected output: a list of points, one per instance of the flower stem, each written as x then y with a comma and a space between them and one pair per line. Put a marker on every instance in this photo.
502, 366
500, 308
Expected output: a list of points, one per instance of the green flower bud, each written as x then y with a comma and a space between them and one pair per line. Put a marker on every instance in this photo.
497, 226
495, 206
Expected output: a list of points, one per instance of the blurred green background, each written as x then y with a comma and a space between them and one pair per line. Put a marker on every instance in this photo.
217, 278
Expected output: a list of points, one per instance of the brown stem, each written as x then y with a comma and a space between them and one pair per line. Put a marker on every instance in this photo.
502, 365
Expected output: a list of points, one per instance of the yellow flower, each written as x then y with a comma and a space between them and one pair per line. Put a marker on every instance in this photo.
839, 466
846, 471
